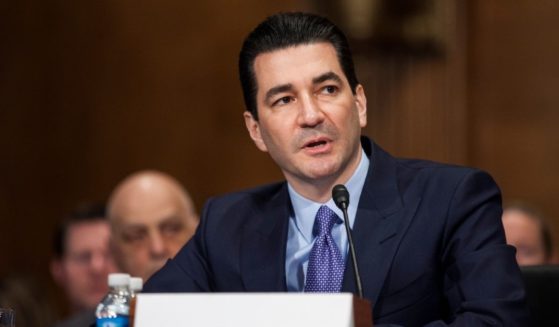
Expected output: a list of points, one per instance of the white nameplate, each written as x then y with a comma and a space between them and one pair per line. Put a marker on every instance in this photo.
244, 309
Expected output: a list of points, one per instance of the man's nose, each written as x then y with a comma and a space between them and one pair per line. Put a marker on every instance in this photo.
99, 262
157, 245
310, 113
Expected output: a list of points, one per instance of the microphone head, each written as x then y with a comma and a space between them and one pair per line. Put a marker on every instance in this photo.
340, 196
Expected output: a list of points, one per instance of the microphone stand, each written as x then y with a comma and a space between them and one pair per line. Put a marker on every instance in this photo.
341, 198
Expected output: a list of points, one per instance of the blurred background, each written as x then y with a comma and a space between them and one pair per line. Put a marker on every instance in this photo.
91, 91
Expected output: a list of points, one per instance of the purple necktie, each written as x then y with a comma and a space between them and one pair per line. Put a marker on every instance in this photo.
326, 266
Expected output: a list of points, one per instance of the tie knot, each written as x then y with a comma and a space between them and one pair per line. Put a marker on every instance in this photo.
324, 221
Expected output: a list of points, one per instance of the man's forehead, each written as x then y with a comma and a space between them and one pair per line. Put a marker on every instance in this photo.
83, 226
145, 207
85, 234
136, 222
283, 66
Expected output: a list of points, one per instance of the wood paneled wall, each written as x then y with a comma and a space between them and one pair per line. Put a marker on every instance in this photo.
513, 84
417, 102
92, 91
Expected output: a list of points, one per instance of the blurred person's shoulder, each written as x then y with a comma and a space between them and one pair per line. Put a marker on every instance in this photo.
80, 319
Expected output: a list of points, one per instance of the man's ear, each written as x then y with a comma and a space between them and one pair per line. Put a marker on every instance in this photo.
361, 104
57, 271
116, 253
253, 127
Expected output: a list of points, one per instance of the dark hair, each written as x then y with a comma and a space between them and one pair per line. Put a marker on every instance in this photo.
285, 30
83, 213
545, 230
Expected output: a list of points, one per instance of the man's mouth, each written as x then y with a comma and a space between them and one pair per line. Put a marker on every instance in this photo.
315, 144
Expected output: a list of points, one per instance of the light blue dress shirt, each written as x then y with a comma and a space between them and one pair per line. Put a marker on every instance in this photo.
300, 239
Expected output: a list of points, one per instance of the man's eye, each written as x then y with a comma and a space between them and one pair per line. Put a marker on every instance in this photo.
330, 89
171, 229
282, 101
81, 258
133, 236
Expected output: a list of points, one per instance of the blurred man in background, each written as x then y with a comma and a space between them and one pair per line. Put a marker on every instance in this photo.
152, 217
82, 261
528, 231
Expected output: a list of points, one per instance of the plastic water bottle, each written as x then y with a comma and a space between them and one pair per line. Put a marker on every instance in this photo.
135, 286
114, 309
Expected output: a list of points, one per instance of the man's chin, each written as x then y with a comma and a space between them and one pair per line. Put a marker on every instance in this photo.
321, 171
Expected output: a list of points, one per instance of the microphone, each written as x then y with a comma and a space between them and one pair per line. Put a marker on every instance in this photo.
341, 198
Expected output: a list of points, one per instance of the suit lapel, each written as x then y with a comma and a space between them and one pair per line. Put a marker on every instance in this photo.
381, 220
263, 243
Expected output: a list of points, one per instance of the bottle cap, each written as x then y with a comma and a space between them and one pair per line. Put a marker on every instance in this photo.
136, 284
118, 279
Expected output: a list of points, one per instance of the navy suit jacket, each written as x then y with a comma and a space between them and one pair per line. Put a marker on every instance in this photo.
428, 238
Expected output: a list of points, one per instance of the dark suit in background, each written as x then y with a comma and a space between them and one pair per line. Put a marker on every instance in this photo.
428, 237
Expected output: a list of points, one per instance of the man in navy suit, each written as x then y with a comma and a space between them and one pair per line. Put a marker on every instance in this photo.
428, 237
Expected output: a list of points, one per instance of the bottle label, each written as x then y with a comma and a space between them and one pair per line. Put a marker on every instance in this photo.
112, 322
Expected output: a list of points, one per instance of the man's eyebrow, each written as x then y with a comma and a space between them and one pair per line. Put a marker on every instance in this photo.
133, 227
169, 220
329, 76
276, 90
